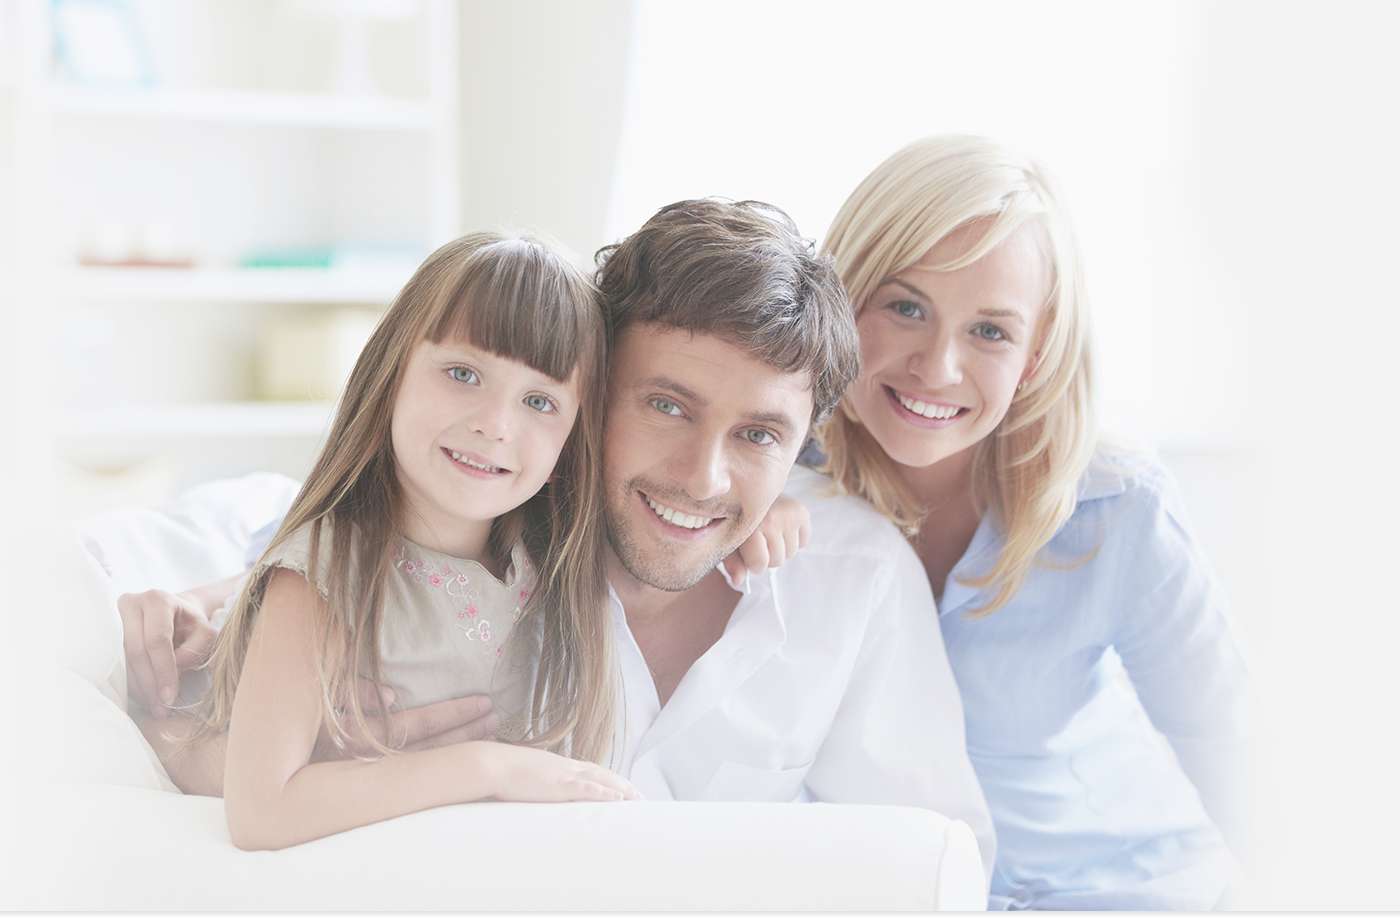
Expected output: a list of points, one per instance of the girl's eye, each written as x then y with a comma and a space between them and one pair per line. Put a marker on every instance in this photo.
759, 437
989, 331
463, 375
665, 406
539, 403
907, 309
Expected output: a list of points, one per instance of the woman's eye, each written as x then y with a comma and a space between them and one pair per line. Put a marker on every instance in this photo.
463, 375
990, 332
539, 403
907, 309
665, 406
760, 437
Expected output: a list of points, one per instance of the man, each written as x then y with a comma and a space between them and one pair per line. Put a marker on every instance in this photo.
825, 679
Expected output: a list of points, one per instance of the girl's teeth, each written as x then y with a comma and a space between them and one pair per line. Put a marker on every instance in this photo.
473, 464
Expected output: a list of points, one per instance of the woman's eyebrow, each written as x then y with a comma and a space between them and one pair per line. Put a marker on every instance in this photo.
911, 289
1003, 313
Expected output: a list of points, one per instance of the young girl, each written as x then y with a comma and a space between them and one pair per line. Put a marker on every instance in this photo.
448, 541
1078, 613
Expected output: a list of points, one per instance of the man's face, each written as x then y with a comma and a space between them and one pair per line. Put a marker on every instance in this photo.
699, 439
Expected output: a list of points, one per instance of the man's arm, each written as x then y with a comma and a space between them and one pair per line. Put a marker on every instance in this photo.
898, 735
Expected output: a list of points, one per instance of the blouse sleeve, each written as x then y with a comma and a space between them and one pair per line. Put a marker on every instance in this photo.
1176, 644
294, 554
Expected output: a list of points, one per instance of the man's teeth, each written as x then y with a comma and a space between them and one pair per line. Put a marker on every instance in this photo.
473, 464
679, 518
927, 410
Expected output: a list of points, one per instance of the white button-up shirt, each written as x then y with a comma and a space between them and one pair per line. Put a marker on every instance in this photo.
830, 683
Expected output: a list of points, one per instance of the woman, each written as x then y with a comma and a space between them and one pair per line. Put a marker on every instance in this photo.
1059, 566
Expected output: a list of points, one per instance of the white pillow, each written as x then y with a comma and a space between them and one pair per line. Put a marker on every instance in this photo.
98, 741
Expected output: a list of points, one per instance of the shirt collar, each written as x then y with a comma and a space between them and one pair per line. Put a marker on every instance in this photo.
1102, 480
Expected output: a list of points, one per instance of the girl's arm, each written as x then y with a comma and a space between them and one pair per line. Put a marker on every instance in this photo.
783, 531
275, 796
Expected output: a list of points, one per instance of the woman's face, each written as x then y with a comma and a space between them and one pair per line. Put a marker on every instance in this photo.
942, 352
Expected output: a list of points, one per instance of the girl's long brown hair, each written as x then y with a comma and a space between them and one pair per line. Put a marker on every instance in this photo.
516, 298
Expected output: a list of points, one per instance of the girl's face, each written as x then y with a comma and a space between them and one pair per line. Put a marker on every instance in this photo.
475, 435
942, 352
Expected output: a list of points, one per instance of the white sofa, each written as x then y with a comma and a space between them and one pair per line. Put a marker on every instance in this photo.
110, 832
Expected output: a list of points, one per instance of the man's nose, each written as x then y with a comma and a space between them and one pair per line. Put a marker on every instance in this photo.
938, 363
702, 469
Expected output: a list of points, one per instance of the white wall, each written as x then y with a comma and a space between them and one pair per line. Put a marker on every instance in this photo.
542, 89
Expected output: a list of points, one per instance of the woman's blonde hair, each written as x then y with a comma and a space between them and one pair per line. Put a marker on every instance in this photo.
1027, 472
516, 298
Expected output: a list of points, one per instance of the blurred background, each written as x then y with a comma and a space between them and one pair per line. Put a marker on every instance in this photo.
205, 204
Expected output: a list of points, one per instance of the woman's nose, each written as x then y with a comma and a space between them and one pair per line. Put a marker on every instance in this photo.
938, 364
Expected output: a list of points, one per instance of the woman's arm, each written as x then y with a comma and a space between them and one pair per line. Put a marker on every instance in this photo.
1176, 645
275, 796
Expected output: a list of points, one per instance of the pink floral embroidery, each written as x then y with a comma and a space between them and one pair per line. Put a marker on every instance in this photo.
524, 595
471, 611
435, 581
481, 631
410, 567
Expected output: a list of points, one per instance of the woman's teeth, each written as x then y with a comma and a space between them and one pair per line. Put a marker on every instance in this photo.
927, 410
679, 518
465, 461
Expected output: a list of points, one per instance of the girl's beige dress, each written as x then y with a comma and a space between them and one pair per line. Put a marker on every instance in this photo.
445, 622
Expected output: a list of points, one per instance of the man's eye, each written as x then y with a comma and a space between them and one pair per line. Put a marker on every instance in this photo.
665, 406
907, 309
463, 375
540, 403
760, 437
989, 331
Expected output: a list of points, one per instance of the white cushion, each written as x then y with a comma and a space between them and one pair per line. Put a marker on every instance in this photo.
129, 849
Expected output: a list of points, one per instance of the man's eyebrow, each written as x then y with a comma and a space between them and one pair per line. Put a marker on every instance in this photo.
779, 420
675, 386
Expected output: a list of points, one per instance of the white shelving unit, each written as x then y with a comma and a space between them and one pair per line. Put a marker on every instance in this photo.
244, 164
230, 107
232, 286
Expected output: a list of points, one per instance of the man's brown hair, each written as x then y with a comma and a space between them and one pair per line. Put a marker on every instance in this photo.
738, 270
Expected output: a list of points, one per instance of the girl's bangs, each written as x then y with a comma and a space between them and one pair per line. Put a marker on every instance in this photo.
516, 299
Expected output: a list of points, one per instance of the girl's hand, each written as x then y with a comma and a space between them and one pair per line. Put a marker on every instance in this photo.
524, 774
783, 531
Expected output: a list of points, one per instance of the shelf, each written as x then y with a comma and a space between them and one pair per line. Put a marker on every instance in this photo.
261, 285
246, 108
219, 420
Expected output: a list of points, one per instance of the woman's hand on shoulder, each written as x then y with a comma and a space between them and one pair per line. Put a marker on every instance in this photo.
163, 635
523, 774
784, 530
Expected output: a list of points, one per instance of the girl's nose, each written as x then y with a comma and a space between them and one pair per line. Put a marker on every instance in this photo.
492, 421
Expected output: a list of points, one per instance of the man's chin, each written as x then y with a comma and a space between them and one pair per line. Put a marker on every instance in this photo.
666, 578
657, 570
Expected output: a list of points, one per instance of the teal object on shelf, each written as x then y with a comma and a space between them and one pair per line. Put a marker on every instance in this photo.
289, 258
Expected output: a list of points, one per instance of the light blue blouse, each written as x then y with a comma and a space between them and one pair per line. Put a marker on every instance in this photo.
1106, 706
